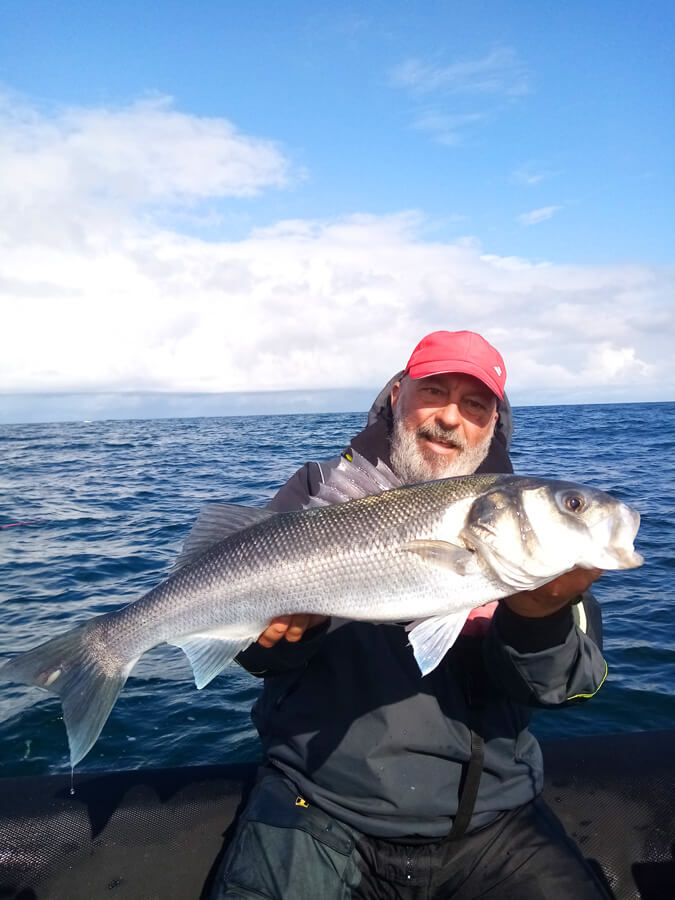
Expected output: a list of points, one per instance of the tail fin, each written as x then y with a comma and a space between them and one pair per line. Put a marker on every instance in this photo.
87, 684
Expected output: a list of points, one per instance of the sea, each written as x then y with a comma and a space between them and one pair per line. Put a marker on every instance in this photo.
93, 514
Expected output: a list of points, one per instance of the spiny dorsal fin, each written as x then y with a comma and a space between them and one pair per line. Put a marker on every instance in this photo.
352, 479
215, 522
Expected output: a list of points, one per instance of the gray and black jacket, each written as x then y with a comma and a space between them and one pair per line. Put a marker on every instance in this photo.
346, 715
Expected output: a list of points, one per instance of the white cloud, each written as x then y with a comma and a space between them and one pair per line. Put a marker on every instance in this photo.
611, 363
535, 216
485, 84
144, 154
531, 175
499, 72
447, 129
122, 303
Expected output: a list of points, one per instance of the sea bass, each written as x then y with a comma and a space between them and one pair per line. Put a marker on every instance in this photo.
426, 554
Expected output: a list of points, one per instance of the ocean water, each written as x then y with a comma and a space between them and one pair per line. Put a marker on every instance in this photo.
105, 507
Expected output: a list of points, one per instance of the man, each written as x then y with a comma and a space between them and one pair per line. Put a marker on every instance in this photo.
382, 783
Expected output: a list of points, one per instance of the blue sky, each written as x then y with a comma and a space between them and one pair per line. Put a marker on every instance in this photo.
267, 196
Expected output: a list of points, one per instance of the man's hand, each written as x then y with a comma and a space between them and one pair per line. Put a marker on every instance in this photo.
291, 628
549, 598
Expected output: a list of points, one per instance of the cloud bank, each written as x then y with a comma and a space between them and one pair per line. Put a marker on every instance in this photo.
99, 294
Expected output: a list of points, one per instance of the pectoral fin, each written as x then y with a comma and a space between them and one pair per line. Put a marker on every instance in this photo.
441, 553
432, 638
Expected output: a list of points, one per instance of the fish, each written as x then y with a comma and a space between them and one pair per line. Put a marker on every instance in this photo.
366, 548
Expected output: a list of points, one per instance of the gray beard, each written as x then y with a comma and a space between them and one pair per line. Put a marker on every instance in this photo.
412, 465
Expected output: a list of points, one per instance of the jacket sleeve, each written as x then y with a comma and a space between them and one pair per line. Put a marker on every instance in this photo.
285, 655
554, 661
297, 490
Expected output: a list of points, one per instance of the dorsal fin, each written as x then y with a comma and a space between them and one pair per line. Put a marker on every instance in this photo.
215, 522
352, 479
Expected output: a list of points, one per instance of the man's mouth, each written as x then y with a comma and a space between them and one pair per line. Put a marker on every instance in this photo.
440, 444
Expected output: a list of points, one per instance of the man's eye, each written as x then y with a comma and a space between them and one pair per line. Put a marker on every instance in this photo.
474, 404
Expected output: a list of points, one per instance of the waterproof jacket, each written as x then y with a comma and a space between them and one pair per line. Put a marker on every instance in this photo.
347, 716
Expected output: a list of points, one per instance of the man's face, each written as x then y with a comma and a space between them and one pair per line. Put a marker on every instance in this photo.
443, 426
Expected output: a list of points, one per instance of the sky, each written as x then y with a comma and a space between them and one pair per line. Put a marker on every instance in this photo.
218, 207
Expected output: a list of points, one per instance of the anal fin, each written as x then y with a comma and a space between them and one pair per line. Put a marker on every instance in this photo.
209, 654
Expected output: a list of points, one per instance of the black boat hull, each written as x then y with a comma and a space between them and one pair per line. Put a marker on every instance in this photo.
157, 834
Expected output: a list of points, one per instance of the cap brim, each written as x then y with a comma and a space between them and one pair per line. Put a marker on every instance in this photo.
445, 367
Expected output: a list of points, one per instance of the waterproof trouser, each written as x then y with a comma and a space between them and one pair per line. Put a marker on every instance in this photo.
284, 849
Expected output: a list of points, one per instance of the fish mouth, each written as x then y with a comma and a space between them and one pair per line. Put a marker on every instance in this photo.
626, 555
618, 533
623, 558
627, 559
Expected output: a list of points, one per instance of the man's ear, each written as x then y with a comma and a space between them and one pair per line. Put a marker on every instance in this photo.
395, 391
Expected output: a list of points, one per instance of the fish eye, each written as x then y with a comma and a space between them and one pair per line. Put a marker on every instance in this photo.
574, 503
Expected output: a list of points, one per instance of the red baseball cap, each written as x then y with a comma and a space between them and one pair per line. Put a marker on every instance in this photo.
458, 351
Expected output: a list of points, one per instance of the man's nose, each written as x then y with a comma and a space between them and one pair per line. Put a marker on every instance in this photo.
449, 415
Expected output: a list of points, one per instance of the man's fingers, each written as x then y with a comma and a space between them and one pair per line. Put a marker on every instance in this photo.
297, 627
274, 631
290, 627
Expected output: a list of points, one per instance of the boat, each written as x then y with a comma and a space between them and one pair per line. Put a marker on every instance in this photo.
159, 834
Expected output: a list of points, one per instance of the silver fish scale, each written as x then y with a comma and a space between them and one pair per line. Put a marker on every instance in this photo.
343, 560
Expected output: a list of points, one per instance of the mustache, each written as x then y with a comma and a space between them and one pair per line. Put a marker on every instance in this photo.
436, 432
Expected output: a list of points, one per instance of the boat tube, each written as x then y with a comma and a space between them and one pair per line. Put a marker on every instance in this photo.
159, 834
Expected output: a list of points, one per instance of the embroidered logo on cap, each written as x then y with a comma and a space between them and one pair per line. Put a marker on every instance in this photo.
498, 370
